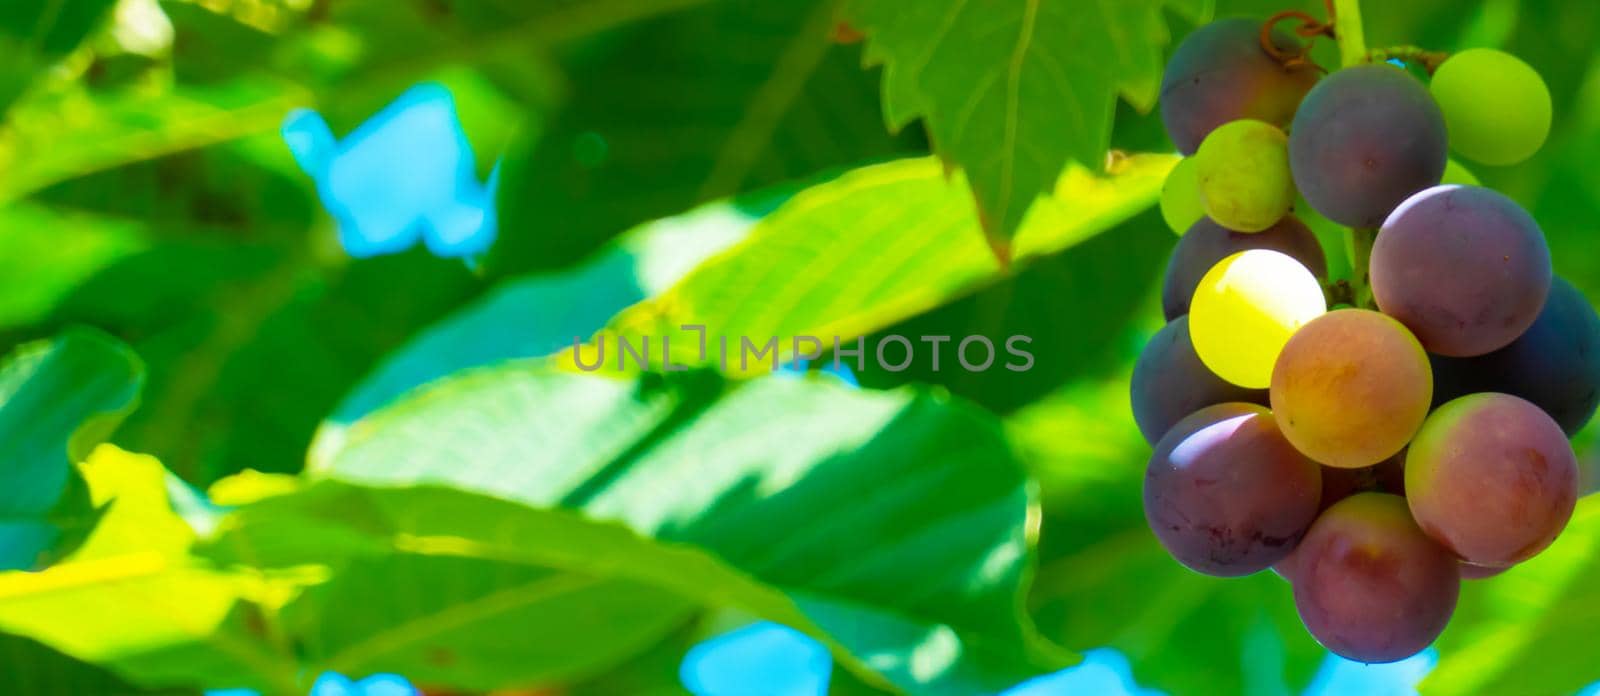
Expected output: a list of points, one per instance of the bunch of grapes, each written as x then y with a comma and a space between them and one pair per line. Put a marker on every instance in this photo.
1377, 439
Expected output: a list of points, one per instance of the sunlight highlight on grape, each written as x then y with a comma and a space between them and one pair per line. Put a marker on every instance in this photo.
1245, 310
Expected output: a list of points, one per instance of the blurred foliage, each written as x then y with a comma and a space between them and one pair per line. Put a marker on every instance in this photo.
664, 161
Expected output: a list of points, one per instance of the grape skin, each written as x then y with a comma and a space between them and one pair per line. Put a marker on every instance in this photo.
1207, 243
1225, 494
1464, 267
1219, 73
1169, 382
1245, 309
1478, 572
1351, 387
1242, 169
1555, 363
1365, 139
1388, 476
1497, 107
1369, 585
1180, 197
1492, 478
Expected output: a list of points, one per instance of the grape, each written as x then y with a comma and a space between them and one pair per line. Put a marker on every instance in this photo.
1370, 586
1207, 243
1225, 494
1492, 478
1351, 387
1478, 572
1244, 310
1555, 363
1243, 173
1180, 197
1169, 382
1365, 139
1220, 73
1465, 268
1387, 476
1497, 107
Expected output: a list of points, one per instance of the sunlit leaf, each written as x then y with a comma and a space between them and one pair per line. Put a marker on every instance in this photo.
875, 246
893, 524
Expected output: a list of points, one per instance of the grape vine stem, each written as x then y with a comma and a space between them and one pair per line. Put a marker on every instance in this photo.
1352, 42
1347, 32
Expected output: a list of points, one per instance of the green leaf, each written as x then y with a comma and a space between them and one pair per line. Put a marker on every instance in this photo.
876, 246
38, 270
36, 33
61, 134
893, 524
58, 399
542, 313
133, 601
1530, 629
1011, 92
1074, 341
681, 109
32, 668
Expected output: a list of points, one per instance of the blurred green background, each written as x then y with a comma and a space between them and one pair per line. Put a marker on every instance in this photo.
145, 191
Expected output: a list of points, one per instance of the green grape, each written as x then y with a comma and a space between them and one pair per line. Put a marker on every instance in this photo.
1496, 107
1246, 308
1180, 197
1244, 179
1457, 175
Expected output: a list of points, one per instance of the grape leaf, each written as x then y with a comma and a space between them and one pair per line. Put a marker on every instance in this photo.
893, 524
1013, 90
58, 399
875, 246
132, 600
33, 35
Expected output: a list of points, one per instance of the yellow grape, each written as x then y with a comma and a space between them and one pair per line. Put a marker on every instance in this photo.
1246, 308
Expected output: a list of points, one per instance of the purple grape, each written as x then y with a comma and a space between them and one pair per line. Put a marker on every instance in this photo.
1478, 572
1555, 363
1226, 494
1465, 268
1220, 73
1365, 139
1206, 243
1169, 382
1369, 585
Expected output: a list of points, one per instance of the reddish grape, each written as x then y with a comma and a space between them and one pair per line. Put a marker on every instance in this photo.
1220, 73
1370, 586
1226, 494
1465, 268
1492, 478
1206, 243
